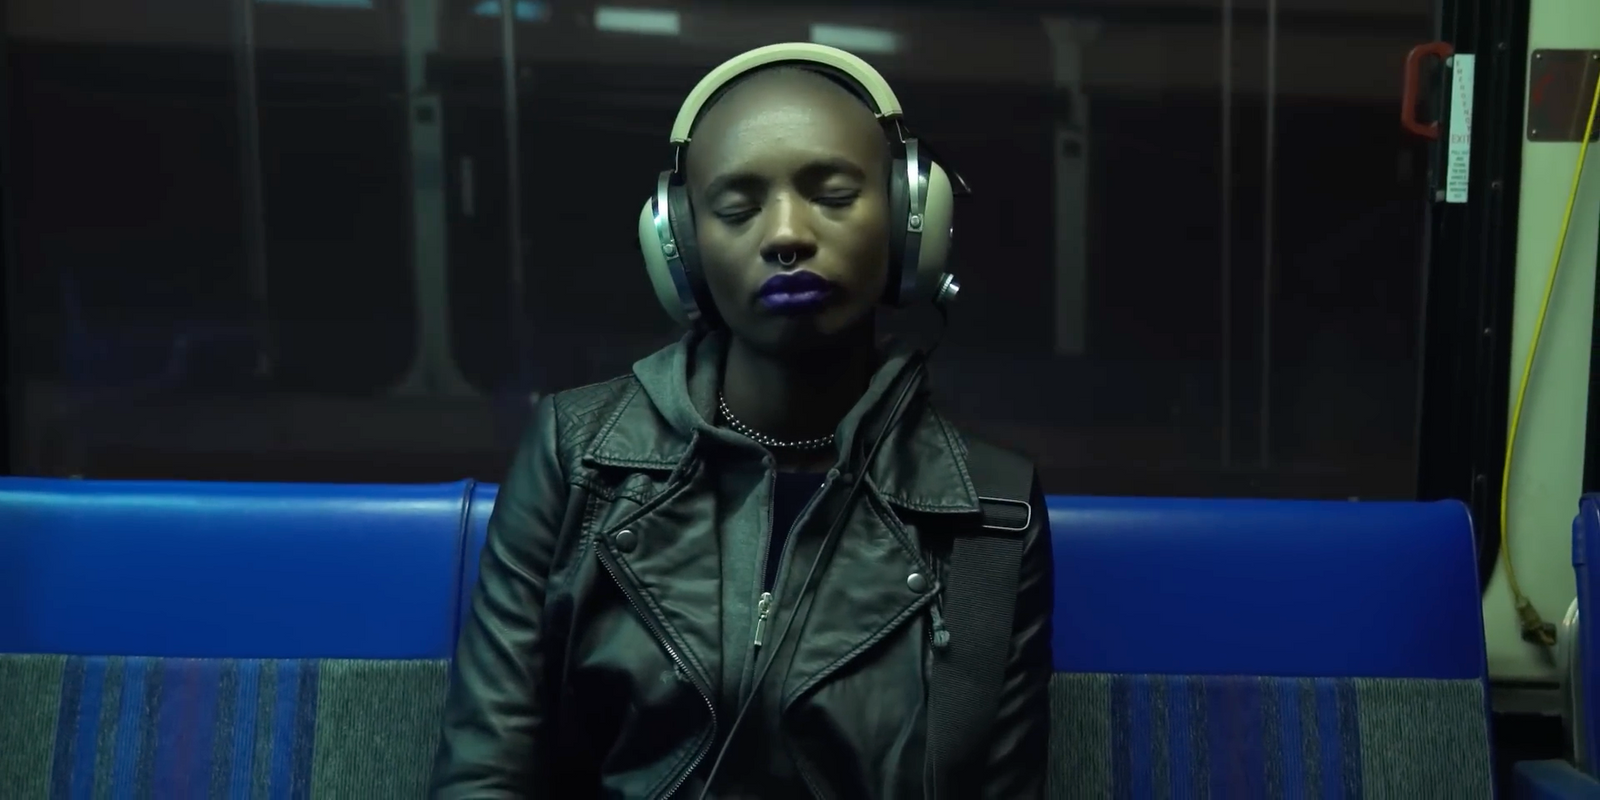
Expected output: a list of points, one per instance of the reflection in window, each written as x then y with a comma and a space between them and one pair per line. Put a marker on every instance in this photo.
637, 20
856, 39
523, 10
356, 4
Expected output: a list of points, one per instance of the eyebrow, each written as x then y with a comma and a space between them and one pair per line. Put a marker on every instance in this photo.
812, 170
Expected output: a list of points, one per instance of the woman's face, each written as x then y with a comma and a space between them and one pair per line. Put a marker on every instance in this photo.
788, 180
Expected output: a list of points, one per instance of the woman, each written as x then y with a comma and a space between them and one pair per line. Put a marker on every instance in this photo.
687, 590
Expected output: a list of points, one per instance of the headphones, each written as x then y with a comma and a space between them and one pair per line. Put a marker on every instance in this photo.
921, 192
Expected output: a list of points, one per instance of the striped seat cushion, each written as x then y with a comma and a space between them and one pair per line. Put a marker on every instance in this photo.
1238, 738
217, 728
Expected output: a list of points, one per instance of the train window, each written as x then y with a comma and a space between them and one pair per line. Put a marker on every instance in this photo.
351, 239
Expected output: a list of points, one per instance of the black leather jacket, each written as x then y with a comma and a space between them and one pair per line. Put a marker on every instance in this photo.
611, 633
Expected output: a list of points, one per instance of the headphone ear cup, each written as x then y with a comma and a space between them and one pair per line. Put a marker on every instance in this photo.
689, 253
923, 209
661, 269
938, 229
671, 259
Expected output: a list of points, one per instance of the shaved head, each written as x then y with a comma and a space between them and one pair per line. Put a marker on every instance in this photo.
752, 93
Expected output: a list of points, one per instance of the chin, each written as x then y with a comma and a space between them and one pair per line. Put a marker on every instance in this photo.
803, 334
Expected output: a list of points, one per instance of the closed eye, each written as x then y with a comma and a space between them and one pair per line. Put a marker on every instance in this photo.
838, 199
737, 216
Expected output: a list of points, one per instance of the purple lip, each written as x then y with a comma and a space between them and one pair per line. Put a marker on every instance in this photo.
794, 292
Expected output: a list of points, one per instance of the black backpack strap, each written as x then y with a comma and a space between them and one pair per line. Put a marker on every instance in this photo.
979, 611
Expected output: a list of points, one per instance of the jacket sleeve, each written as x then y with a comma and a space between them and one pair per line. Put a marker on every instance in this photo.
496, 721
1020, 754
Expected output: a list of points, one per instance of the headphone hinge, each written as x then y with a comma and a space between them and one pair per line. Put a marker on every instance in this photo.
897, 128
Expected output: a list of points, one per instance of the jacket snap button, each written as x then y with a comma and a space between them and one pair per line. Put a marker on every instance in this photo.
625, 540
916, 582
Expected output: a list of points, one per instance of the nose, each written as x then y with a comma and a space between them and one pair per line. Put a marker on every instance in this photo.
789, 238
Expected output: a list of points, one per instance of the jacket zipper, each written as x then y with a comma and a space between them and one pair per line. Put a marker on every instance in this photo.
763, 610
767, 602
678, 660
764, 599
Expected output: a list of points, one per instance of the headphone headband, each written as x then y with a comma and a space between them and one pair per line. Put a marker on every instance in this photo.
885, 104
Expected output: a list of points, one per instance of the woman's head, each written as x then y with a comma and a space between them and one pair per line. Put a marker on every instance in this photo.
788, 176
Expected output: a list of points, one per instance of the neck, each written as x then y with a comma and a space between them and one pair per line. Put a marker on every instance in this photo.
796, 397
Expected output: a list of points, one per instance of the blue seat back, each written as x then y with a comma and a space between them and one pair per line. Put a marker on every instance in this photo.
1585, 559
1265, 587
1267, 648
230, 570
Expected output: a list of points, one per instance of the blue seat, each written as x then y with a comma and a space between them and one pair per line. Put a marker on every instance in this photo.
1585, 560
230, 570
1549, 778
1267, 648
196, 639
199, 639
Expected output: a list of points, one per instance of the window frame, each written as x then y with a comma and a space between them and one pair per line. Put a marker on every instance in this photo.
1470, 278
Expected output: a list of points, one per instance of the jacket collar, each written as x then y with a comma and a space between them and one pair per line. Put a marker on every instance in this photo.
660, 423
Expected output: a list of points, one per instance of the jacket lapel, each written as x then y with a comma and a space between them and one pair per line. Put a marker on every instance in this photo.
654, 527
879, 574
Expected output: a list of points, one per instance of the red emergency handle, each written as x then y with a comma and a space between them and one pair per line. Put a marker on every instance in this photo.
1409, 87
